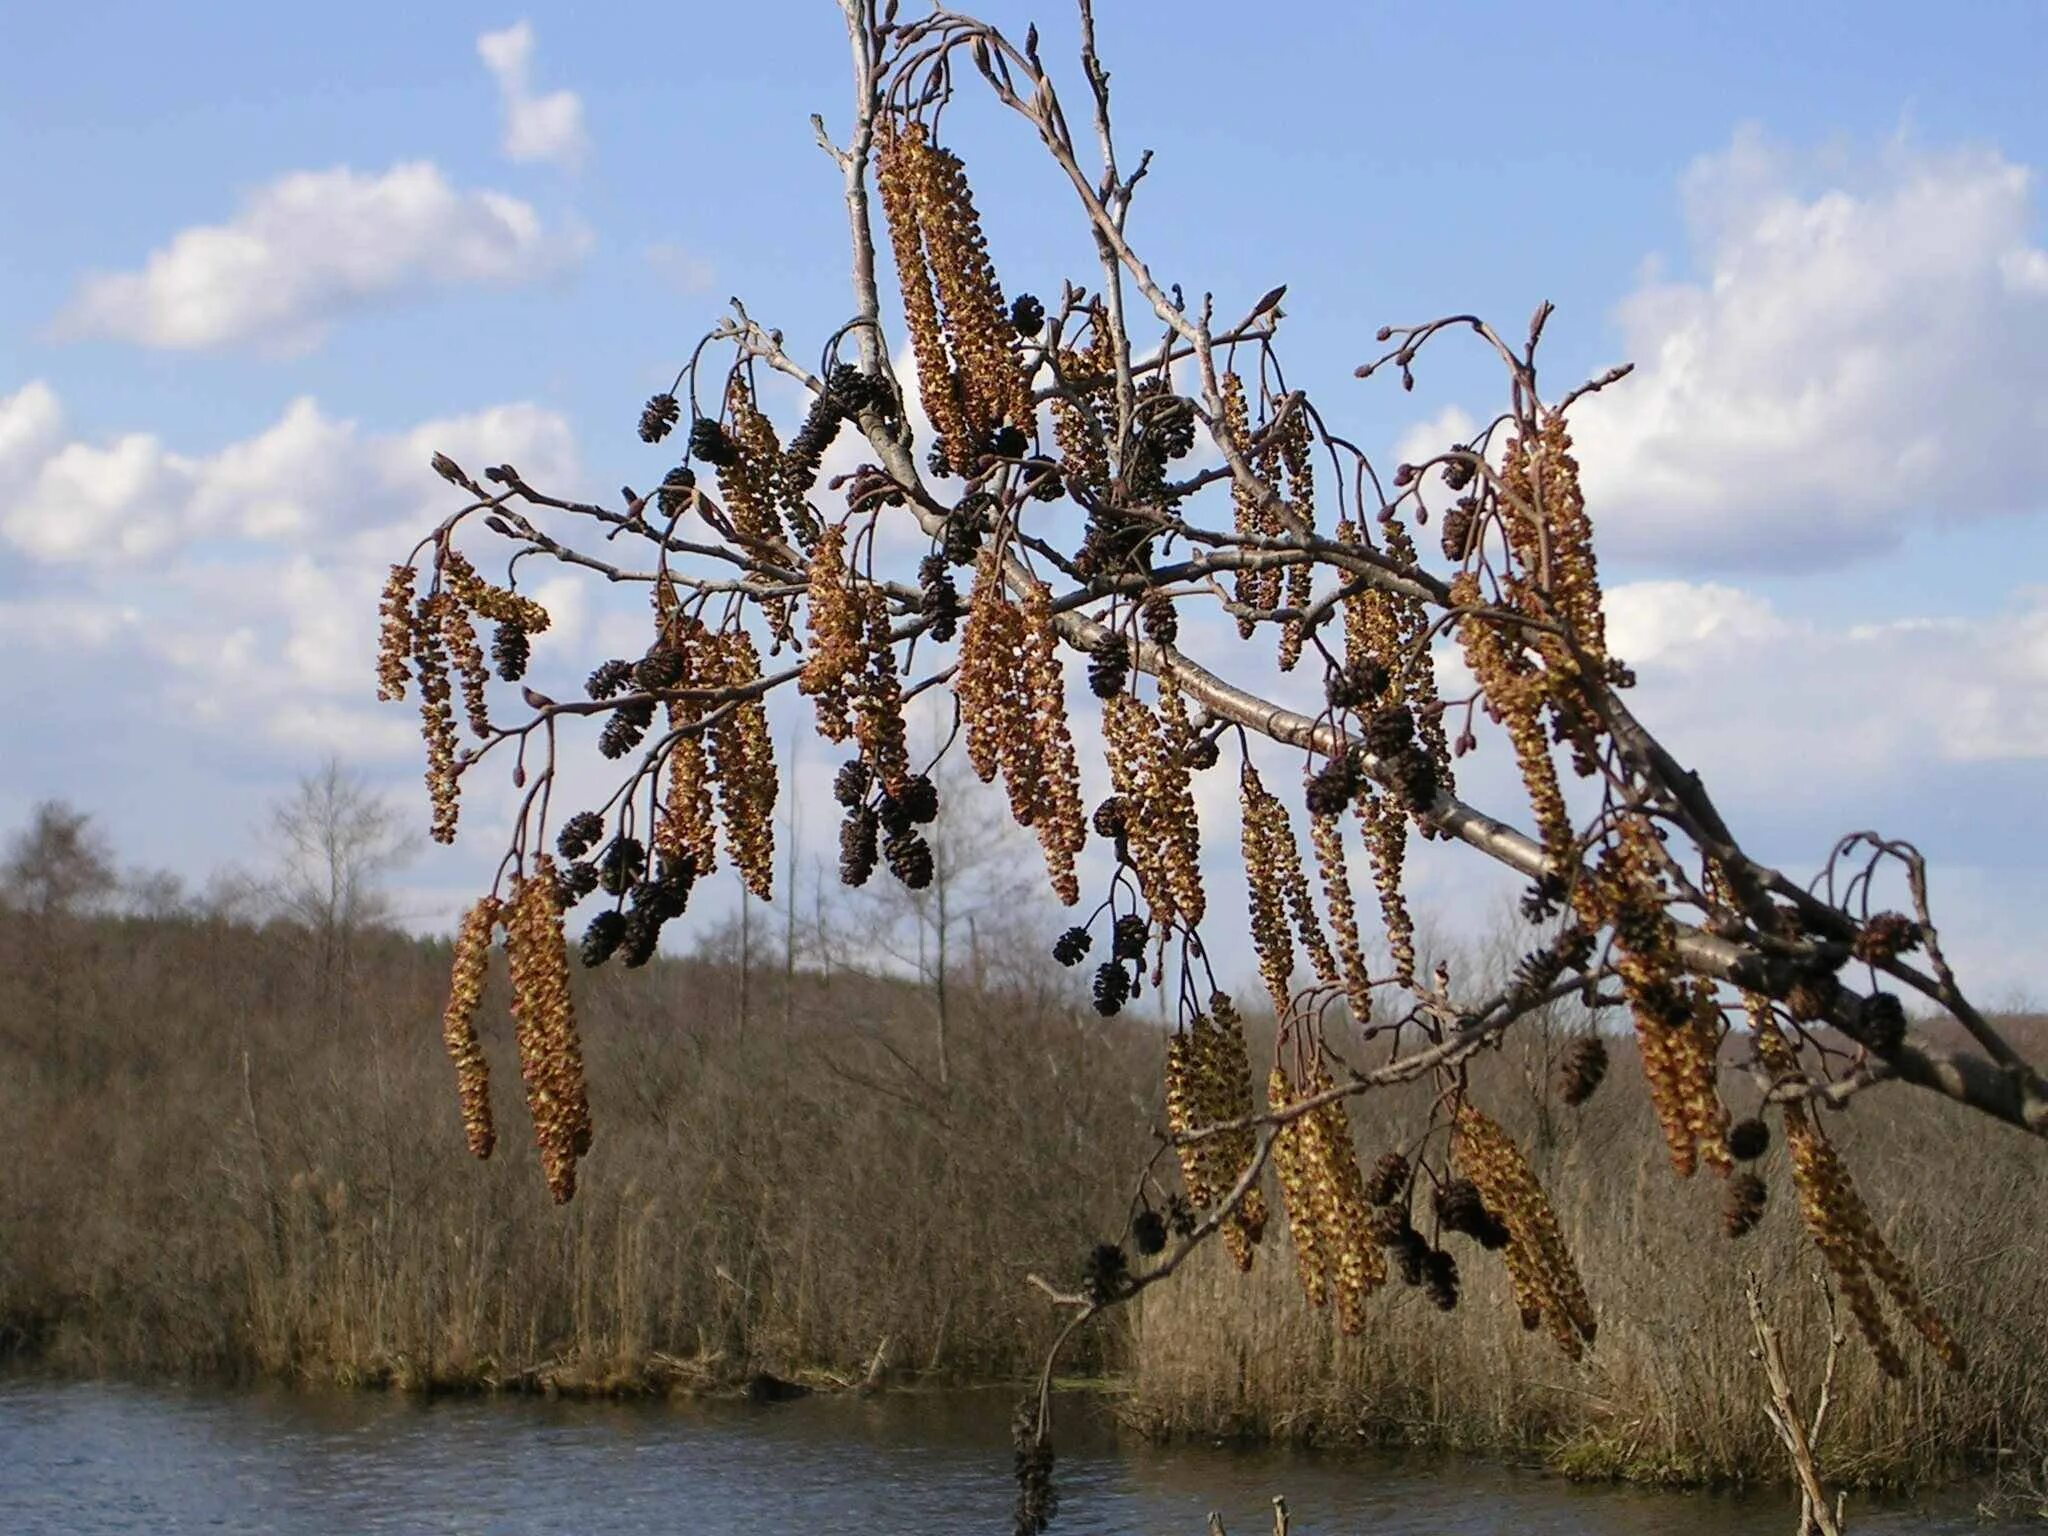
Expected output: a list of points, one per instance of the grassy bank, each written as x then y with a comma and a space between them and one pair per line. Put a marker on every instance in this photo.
223, 1163
212, 1172
1670, 1392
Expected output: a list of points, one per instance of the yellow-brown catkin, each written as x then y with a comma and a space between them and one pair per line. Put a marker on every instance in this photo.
1296, 456
1298, 1195
458, 1023
686, 825
550, 1054
878, 711
1539, 1264
1541, 479
1252, 515
486, 600
938, 385
394, 635
838, 649
1161, 827
1056, 814
1326, 836
743, 765
1272, 940
1417, 674
1385, 825
1517, 691
988, 680
466, 654
437, 715
1677, 1028
1012, 696
978, 331
1208, 1083
1356, 1266
1184, 835
749, 484
1841, 1225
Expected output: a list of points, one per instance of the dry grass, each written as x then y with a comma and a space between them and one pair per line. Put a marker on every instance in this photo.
212, 1172
1671, 1391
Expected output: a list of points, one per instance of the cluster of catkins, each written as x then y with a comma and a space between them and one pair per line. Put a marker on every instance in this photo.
1278, 894
1209, 1083
550, 1053
436, 634
1153, 818
969, 369
1012, 697
1840, 1223
1540, 1267
1328, 1214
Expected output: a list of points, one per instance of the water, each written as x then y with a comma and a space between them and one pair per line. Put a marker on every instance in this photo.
86, 1459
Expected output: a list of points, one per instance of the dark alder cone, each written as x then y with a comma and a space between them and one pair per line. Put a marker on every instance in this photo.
660, 899
1743, 1206
1748, 1140
936, 462
895, 818
850, 784
1390, 730
1127, 937
1585, 1063
1411, 1256
674, 495
938, 598
1046, 484
1417, 776
609, 678
1458, 472
658, 418
1149, 1232
1112, 817
858, 838
1109, 666
1201, 753
1161, 623
1354, 684
1036, 1501
1386, 1224
1008, 442
1460, 1209
1112, 988
910, 859
1881, 1023
1539, 901
1812, 998
709, 443
1108, 1273
1457, 530
1331, 787
660, 668
1180, 1216
1887, 936
1440, 1279
643, 937
579, 834
576, 881
623, 732
1071, 946
619, 867
1027, 315
919, 801
602, 937
510, 650
1389, 1180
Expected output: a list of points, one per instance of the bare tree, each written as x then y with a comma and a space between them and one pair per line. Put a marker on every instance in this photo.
338, 842
57, 865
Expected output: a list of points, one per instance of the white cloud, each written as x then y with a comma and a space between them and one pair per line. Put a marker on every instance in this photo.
1854, 357
546, 127
313, 245
241, 584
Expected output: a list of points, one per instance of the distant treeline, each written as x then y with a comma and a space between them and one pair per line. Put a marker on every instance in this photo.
226, 1157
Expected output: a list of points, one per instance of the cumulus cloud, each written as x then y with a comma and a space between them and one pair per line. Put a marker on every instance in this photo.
1865, 346
238, 584
314, 245
546, 127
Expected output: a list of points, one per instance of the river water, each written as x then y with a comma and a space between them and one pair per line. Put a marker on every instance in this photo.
86, 1459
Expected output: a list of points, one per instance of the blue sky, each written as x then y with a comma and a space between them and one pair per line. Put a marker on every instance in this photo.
254, 252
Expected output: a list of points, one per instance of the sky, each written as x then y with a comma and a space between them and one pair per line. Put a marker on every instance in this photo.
262, 261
